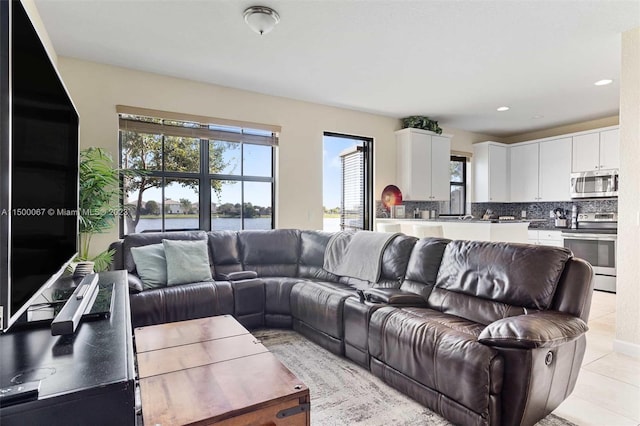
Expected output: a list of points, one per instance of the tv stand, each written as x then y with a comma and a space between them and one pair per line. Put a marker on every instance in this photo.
85, 378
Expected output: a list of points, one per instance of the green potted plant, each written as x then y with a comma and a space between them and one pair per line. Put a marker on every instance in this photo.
99, 190
421, 122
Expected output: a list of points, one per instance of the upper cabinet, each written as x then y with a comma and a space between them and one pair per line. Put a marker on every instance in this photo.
524, 172
423, 165
555, 170
610, 149
540, 171
596, 151
490, 181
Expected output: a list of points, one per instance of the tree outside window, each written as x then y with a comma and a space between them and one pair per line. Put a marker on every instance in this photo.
186, 179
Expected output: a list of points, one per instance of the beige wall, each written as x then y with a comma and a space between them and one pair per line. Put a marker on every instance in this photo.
563, 130
463, 140
96, 89
628, 285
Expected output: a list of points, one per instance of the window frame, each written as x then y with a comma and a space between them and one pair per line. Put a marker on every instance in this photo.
367, 150
203, 176
463, 185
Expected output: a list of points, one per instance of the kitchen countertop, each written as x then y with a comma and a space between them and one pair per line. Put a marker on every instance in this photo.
534, 224
452, 220
468, 229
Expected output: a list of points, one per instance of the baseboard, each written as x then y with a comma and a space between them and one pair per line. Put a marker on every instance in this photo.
626, 348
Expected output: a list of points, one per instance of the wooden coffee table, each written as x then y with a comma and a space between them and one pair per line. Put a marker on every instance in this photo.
213, 371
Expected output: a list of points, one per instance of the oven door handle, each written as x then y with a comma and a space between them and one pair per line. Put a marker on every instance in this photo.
599, 237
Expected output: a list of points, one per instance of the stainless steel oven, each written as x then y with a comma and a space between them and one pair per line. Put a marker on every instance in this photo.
595, 241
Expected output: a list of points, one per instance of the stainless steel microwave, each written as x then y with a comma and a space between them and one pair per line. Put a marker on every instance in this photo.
600, 183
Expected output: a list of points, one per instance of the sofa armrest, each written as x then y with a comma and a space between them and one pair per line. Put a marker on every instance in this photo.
394, 296
543, 329
240, 275
135, 283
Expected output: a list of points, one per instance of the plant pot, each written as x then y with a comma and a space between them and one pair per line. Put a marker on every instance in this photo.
83, 268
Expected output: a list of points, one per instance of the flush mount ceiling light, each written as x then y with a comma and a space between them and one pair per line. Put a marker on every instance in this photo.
261, 19
603, 82
502, 108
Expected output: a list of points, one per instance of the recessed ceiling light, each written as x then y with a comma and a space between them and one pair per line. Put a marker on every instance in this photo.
502, 108
603, 82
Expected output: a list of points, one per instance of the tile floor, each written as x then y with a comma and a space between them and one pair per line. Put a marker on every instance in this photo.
608, 388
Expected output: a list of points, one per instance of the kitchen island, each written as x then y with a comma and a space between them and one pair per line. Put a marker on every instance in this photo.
512, 231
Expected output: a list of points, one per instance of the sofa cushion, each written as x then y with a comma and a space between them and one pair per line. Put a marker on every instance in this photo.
313, 245
181, 302
320, 305
151, 265
485, 281
394, 261
146, 238
423, 265
187, 261
278, 294
225, 252
272, 253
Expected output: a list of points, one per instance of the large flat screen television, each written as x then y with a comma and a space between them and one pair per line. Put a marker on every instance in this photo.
38, 166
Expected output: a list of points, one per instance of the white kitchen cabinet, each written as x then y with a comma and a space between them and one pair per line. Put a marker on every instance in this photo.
540, 171
423, 165
490, 173
610, 149
524, 172
596, 151
586, 152
532, 237
543, 237
555, 170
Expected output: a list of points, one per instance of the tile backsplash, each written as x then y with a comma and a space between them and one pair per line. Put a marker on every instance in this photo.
541, 210
410, 207
534, 210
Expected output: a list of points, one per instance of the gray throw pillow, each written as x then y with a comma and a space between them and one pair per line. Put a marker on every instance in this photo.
151, 265
187, 261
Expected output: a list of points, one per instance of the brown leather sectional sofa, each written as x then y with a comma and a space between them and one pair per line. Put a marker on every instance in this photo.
482, 333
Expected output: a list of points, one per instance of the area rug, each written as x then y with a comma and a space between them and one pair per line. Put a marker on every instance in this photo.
343, 393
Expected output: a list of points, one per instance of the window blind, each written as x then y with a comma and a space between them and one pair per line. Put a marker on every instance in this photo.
148, 121
352, 206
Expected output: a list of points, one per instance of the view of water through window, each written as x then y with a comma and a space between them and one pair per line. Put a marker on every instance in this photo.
183, 179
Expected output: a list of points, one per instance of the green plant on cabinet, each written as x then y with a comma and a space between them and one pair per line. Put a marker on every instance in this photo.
421, 122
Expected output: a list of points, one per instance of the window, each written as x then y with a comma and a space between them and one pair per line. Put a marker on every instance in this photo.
458, 186
195, 174
347, 182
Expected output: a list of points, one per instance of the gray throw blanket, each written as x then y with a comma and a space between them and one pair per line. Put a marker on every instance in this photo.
357, 255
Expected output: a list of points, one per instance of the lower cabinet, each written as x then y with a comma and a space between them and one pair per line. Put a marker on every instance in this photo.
543, 237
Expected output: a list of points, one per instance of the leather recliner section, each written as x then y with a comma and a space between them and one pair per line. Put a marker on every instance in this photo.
181, 302
319, 305
451, 361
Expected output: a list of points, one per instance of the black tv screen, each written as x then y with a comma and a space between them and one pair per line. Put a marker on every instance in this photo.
40, 149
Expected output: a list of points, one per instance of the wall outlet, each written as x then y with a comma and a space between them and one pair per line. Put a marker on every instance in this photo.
551, 215
523, 214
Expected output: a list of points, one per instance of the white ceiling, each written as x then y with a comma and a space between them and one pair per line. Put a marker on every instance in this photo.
455, 61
